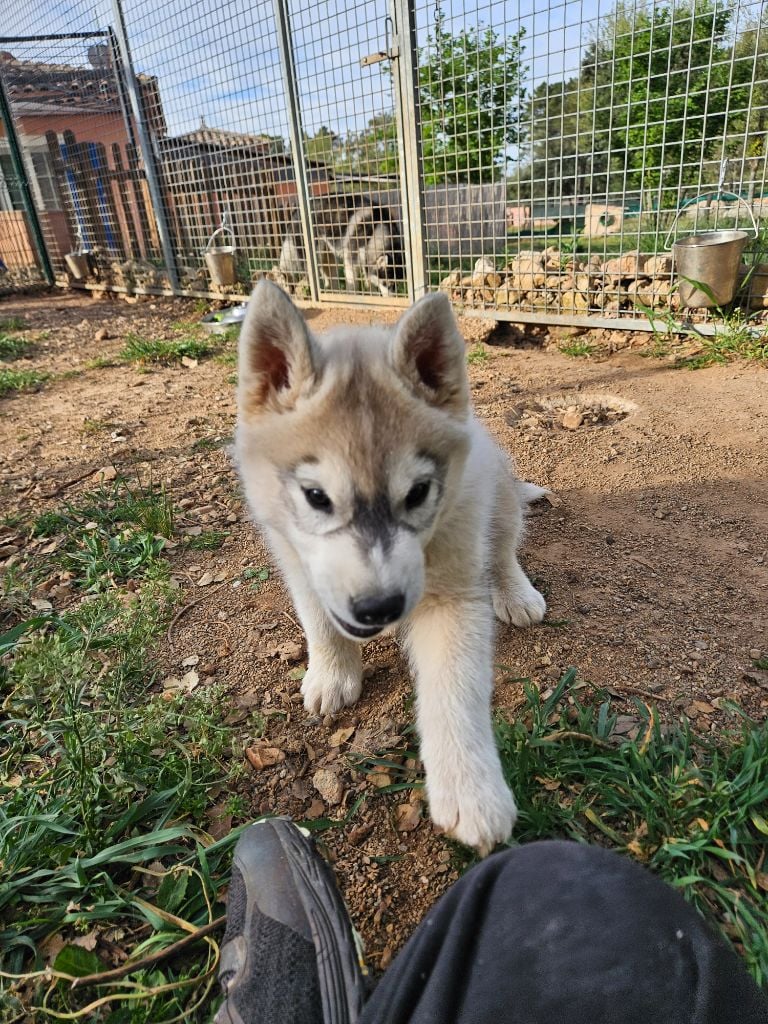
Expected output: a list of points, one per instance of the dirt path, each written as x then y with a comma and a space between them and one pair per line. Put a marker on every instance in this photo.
654, 555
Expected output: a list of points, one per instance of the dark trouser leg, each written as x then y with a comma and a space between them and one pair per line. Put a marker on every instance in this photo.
557, 932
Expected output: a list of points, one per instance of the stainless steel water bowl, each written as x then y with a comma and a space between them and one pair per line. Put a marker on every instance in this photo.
221, 321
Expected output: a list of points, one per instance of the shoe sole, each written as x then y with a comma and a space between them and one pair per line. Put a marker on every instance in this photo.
340, 971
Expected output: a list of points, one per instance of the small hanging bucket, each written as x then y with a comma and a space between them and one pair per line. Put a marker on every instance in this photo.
220, 259
78, 262
708, 264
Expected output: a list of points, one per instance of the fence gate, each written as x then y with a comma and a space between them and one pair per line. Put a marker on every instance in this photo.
82, 166
340, 69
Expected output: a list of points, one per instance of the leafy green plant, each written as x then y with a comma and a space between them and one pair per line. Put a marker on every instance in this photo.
13, 347
165, 351
478, 354
20, 380
576, 349
208, 540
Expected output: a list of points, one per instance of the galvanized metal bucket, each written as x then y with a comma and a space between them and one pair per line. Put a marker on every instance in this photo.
711, 259
77, 265
220, 260
708, 264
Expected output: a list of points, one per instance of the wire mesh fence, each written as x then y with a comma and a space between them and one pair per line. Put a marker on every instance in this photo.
533, 161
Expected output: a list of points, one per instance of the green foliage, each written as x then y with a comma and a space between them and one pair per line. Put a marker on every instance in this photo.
112, 534
478, 354
12, 346
20, 380
576, 349
12, 323
208, 540
104, 786
662, 89
691, 808
470, 93
161, 350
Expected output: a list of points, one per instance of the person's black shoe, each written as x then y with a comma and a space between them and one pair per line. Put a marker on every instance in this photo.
289, 954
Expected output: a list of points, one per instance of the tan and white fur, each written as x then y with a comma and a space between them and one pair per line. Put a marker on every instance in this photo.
388, 506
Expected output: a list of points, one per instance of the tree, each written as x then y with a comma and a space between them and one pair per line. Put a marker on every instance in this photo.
470, 97
655, 85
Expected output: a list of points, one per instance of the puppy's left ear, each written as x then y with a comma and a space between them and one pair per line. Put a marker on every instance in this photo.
430, 354
277, 362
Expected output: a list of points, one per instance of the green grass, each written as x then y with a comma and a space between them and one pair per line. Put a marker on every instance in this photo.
692, 808
12, 323
737, 337
165, 351
111, 535
478, 355
207, 444
104, 786
208, 540
13, 347
576, 349
12, 381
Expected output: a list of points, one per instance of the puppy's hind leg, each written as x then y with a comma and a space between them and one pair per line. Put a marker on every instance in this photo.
335, 670
515, 599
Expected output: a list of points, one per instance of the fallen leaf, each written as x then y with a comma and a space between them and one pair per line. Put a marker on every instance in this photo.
264, 757
107, 472
191, 661
703, 707
172, 683
408, 817
205, 580
297, 673
219, 820
41, 605
86, 941
762, 881
192, 531
290, 651
315, 810
380, 779
341, 736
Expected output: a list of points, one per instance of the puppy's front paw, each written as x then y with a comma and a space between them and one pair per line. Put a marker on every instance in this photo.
329, 688
520, 604
478, 814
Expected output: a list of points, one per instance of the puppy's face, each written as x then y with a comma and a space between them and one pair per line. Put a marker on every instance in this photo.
351, 448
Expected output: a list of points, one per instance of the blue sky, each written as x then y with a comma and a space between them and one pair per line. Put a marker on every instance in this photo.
218, 59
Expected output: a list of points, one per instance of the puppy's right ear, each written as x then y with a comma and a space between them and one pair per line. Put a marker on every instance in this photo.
276, 361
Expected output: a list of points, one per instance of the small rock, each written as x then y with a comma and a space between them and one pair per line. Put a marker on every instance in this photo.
101, 335
291, 651
408, 816
572, 419
328, 785
755, 654
264, 757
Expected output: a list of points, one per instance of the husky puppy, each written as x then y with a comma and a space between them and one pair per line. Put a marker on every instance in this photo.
360, 236
387, 505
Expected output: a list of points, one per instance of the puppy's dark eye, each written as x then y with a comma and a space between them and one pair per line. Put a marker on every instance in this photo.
417, 495
318, 499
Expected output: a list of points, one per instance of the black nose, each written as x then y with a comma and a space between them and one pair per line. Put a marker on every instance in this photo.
378, 610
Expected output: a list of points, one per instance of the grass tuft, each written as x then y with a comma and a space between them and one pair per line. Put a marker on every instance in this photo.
576, 349
20, 380
478, 354
692, 808
13, 347
12, 323
164, 351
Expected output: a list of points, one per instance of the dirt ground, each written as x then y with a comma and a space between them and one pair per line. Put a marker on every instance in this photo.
653, 554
